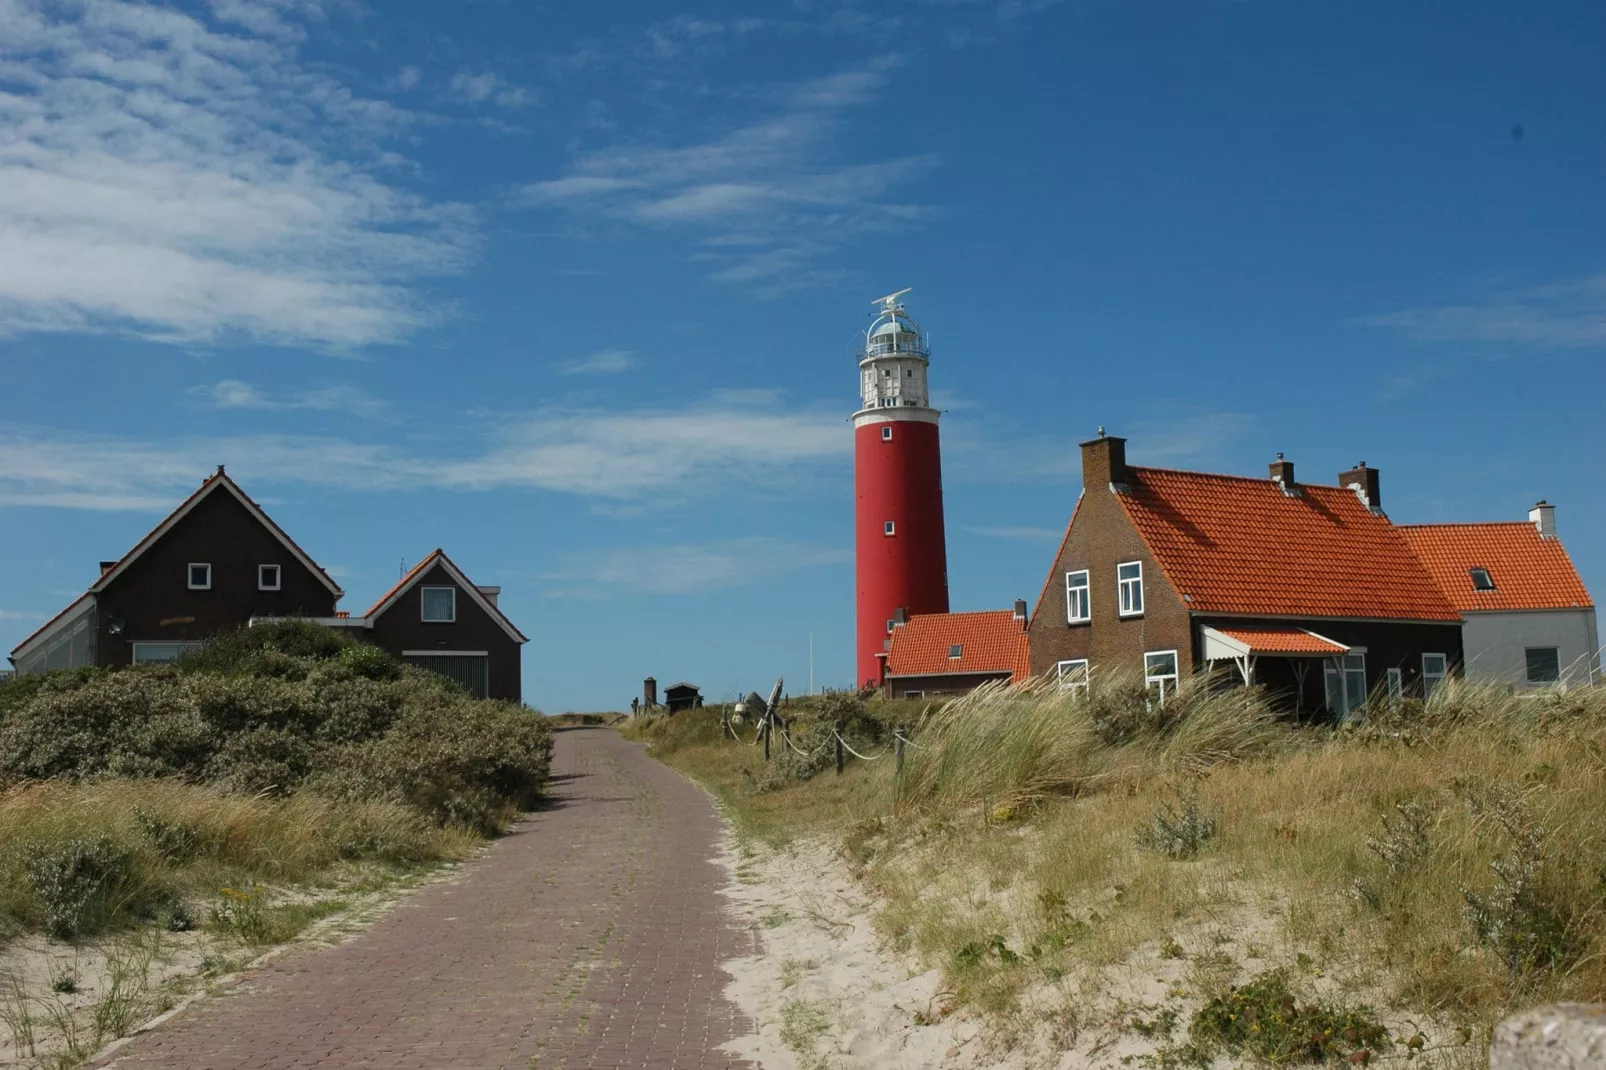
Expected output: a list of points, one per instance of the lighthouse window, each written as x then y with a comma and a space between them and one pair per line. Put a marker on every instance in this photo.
889, 528
886, 434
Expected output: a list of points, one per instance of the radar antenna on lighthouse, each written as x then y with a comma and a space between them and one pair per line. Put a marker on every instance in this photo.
890, 303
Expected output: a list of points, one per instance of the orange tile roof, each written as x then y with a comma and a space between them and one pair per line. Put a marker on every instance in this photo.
1283, 641
989, 641
1528, 570
1241, 546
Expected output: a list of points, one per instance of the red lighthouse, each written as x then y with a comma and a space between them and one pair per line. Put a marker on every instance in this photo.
901, 550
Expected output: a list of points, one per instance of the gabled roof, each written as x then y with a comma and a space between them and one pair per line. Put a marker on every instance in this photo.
1240, 546
418, 571
217, 481
1529, 571
990, 641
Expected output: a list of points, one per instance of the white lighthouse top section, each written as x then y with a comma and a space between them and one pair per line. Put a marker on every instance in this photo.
892, 366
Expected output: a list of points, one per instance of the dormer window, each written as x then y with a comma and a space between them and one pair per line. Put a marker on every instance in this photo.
200, 577
956, 651
438, 604
1481, 580
268, 577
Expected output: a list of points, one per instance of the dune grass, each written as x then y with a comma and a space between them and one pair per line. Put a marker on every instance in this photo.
1103, 863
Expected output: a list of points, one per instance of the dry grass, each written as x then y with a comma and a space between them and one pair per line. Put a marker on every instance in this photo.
1445, 864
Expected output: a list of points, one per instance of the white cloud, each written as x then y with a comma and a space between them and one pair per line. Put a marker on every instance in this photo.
765, 201
22, 614
480, 87
688, 568
234, 394
1020, 534
1565, 315
651, 456
193, 181
604, 362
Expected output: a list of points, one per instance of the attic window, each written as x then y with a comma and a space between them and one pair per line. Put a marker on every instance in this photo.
267, 577
438, 604
1481, 580
956, 651
200, 577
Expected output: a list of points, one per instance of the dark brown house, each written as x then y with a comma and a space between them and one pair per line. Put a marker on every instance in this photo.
1307, 589
216, 562
438, 619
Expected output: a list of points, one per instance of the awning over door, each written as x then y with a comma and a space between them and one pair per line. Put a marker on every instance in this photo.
1242, 645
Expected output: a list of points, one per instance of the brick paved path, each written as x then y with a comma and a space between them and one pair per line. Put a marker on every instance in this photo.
590, 937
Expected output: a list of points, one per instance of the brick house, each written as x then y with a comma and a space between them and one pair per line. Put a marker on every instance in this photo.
1527, 619
953, 653
438, 619
212, 565
1307, 589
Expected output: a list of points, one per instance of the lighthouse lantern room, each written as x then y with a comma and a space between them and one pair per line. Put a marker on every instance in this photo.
901, 550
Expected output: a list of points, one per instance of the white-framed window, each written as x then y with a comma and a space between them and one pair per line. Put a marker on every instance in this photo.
1396, 684
1435, 667
914, 694
160, 653
1160, 672
889, 528
1129, 576
956, 651
1544, 664
886, 432
1073, 675
1078, 599
438, 605
891, 624
200, 576
268, 577
1346, 684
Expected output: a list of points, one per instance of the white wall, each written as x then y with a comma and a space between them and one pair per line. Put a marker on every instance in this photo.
1496, 644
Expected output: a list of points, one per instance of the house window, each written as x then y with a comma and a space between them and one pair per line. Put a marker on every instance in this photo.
914, 694
439, 604
1544, 664
1346, 685
889, 528
1073, 675
956, 651
1130, 578
1160, 672
886, 433
200, 577
267, 577
1434, 669
1481, 580
1078, 605
160, 653
1396, 684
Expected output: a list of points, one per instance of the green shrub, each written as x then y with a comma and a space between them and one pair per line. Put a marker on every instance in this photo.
369, 662
81, 885
1264, 1019
1178, 831
236, 652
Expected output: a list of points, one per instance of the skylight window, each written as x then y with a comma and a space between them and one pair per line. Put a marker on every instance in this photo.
956, 651
1481, 580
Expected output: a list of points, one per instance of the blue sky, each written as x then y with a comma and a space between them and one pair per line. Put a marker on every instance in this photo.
569, 289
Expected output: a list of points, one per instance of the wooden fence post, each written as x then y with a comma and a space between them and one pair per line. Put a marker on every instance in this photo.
841, 759
769, 719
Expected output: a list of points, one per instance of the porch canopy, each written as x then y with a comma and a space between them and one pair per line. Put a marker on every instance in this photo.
1242, 645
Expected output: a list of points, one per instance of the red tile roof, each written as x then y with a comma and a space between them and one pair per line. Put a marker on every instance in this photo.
1241, 546
1272, 640
1528, 570
989, 641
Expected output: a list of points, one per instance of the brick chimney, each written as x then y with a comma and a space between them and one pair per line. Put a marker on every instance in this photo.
1020, 610
107, 566
1104, 461
649, 692
1543, 517
1363, 481
491, 594
1282, 474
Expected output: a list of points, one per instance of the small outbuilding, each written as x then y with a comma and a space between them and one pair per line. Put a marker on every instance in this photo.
682, 696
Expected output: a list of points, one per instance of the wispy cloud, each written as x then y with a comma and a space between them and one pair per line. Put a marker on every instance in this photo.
21, 614
1564, 315
189, 179
688, 568
604, 362
647, 456
1019, 534
473, 87
763, 201
976, 451
234, 394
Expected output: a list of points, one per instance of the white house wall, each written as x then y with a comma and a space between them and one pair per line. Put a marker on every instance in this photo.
1496, 644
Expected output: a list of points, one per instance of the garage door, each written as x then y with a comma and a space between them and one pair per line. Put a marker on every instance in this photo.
471, 670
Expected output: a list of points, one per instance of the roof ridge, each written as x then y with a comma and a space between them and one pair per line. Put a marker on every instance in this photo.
1227, 475
1474, 524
